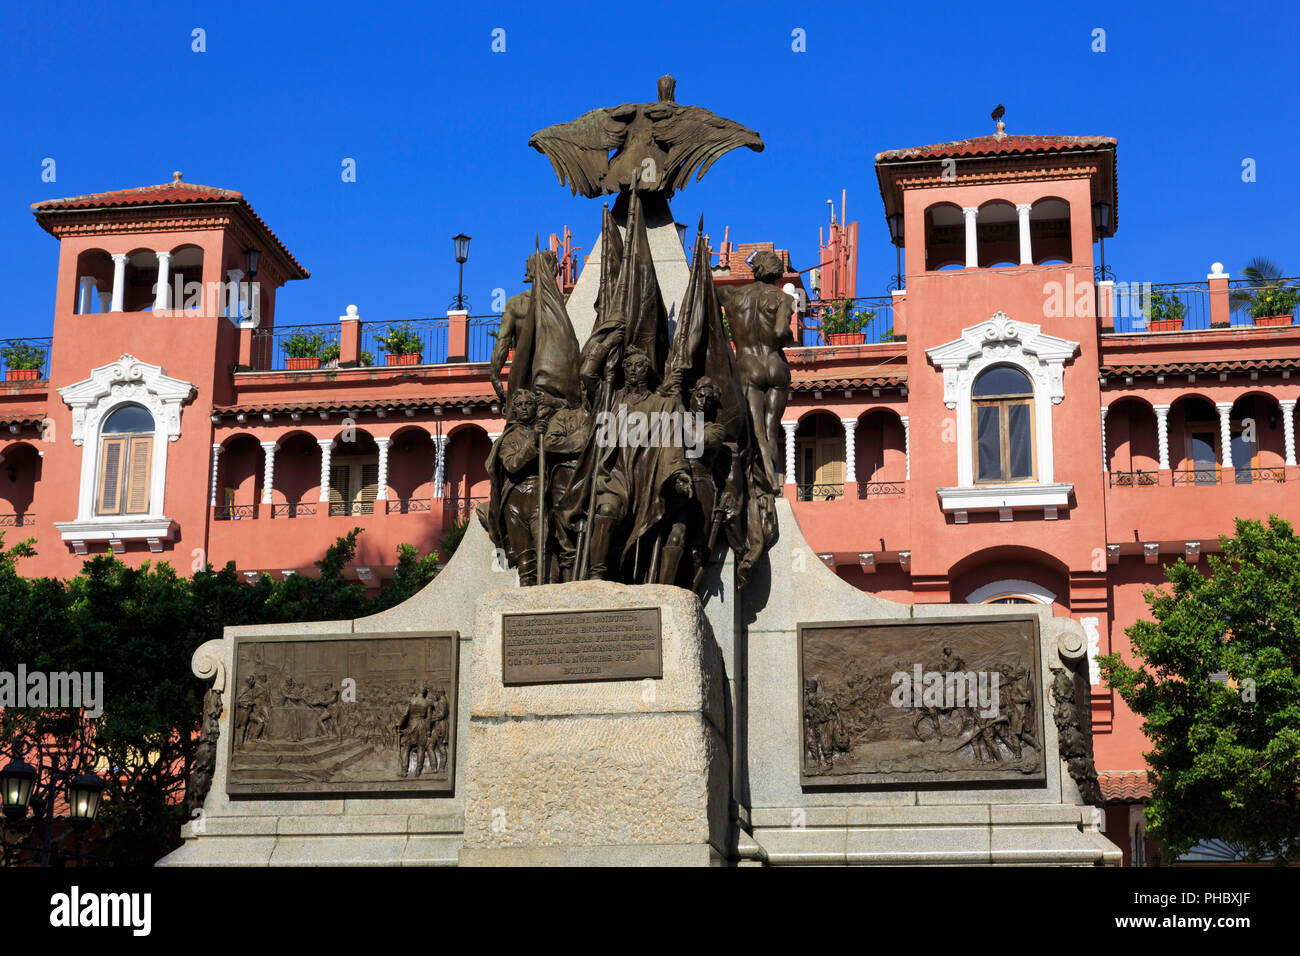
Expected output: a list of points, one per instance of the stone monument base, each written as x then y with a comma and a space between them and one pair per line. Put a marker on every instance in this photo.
610, 772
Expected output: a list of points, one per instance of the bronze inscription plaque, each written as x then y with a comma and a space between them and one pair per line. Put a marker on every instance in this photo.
933, 701
340, 714
561, 647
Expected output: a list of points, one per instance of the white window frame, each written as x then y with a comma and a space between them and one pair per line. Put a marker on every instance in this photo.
1002, 340
128, 381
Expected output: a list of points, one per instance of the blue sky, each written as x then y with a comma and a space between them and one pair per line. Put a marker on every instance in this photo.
438, 124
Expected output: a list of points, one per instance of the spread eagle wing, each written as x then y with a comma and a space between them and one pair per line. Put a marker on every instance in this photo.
579, 149
695, 139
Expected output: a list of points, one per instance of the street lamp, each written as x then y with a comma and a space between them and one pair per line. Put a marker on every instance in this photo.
16, 782
84, 793
1102, 212
461, 242
895, 221
251, 257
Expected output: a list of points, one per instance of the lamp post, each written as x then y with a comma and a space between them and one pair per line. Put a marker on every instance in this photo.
895, 221
461, 242
251, 257
1101, 222
19, 782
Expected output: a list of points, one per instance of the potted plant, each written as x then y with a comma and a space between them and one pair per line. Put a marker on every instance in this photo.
329, 355
842, 327
303, 350
22, 362
1165, 312
400, 346
1274, 305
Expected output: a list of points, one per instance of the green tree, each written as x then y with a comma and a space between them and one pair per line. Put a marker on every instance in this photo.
1217, 685
140, 627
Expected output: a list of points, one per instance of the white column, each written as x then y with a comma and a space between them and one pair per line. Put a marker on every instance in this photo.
850, 449
1288, 428
1225, 431
326, 445
439, 463
1105, 458
1162, 435
789, 450
1026, 253
216, 458
233, 278
268, 473
907, 446
381, 494
972, 252
86, 295
162, 297
119, 281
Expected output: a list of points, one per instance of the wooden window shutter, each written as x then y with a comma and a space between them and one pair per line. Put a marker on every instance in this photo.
365, 500
340, 488
110, 476
139, 476
830, 468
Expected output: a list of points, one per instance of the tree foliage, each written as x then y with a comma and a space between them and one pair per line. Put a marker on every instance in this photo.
1225, 750
140, 627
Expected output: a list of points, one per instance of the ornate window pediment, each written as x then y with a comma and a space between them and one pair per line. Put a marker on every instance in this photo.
1003, 339
126, 380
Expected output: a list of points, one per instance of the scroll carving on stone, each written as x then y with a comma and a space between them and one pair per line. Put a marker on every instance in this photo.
638, 457
338, 714
921, 701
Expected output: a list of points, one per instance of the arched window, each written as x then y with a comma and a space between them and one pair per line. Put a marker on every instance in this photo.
125, 462
1002, 408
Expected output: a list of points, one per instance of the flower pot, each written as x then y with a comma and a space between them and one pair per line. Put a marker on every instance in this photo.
22, 374
299, 364
404, 358
1166, 325
1269, 321
846, 338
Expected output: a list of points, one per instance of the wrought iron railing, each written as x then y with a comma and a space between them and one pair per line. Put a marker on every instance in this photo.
17, 520
1245, 295
456, 510
1151, 307
294, 509
351, 508
875, 316
876, 489
482, 337
269, 351
1254, 476
820, 492
233, 512
430, 333
1131, 479
37, 350
402, 506
1196, 476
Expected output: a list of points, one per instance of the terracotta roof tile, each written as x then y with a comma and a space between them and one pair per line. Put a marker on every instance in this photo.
163, 194
360, 404
1178, 368
826, 384
1125, 786
998, 146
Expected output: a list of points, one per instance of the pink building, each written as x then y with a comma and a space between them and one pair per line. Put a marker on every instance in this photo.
1006, 429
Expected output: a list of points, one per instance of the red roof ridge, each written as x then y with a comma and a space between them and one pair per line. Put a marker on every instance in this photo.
163, 192
995, 145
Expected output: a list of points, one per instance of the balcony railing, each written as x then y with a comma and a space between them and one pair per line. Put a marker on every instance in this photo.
233, 512
17, 521
456, 510
31, 346
1133, 479
876, 316
1254, 476
820, 492
482, 336
269, 355
1196, 476
1187, 306
876, 489
431, 334
404, 506
296, 509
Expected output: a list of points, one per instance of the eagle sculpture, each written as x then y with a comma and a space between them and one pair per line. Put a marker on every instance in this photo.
655, 146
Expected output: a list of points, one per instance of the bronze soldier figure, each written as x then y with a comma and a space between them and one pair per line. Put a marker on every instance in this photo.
413, 730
